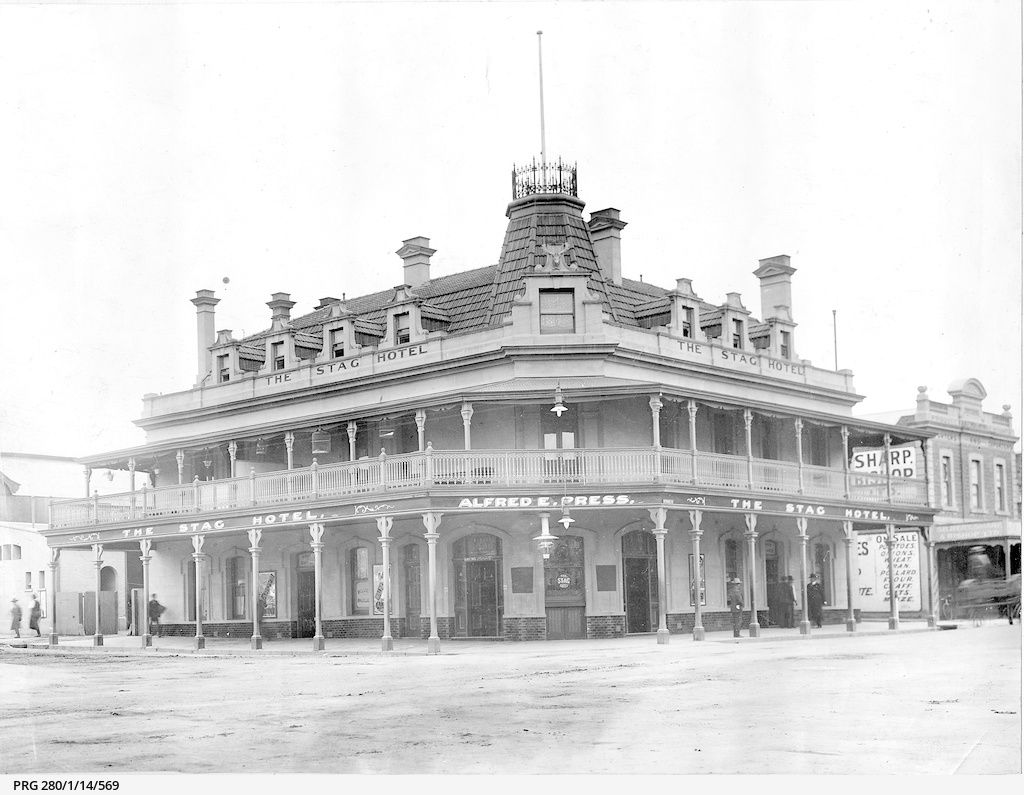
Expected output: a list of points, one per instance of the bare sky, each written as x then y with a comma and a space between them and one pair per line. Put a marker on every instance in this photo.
147, 151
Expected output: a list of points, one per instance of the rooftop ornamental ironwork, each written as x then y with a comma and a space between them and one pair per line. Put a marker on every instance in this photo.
536, 177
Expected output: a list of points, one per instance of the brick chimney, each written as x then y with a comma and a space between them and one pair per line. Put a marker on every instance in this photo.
605, 231
206, 333
280, 310
416, 253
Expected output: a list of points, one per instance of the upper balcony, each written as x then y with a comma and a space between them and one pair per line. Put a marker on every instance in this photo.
488, 470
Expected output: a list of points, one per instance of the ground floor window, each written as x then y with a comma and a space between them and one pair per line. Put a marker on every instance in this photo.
359, 577
237, 576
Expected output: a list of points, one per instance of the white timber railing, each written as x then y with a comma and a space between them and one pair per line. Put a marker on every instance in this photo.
488, 469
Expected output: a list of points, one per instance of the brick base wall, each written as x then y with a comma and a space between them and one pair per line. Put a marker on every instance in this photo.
234, 629
606, 627
363, 627
712, 620
525, 628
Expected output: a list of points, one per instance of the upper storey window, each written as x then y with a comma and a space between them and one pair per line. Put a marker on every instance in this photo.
277, 355
947, 481
223, 370
337, 343
975, 484
737, 333
686, 322
784, 345
557, 312
402, 329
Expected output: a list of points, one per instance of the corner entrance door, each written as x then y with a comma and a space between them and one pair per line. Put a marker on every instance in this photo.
565, 597
305, 602
482, 598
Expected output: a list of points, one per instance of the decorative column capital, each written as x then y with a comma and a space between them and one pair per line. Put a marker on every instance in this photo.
131, 464
180, 458
289, 440
691, 407
233, 449
655, 403
751, 521
798, 424
384, 525
658, 516
845, 432
748, 418
316, 534
255, 534
197, 545
145, 547
431, 521
848, 534
467, 412
801, 526
352, 428
97, 551
421, 419
54, 557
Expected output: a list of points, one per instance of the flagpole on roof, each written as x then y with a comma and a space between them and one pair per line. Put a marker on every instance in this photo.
540, 68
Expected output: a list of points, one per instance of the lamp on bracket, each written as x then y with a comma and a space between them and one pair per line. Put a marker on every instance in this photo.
261, 446
321, 441
545, 541
559, 408
207, 460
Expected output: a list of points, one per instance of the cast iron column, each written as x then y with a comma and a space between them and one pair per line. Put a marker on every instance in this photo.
180, 458
421, 429
233, 456
656, 405
691, 409
890, 543
431, 521
658, 516
748, 419
316, 535
467, 417
930, 552
88, 478
289, 445
851, 540
846, 461
197, 556
751, 534
798, 426
352, 429
384, 525
146, 546
695, 534
54, 559
255, 534
805, 622
97, 551
131, 484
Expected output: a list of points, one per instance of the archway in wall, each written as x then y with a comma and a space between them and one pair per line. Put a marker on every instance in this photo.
108, 578
640, 580
476, 563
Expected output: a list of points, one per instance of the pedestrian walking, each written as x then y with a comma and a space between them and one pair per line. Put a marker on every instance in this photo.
35, 612
734, 598
155, 611
788, 596
815, 600
16, 618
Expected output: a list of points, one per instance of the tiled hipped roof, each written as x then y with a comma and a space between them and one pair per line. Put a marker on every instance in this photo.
482, 297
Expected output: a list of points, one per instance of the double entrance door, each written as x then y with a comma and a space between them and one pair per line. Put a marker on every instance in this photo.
477, 610
640, 581
306, 597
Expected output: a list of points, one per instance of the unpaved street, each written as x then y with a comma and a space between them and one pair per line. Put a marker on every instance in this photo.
921, 702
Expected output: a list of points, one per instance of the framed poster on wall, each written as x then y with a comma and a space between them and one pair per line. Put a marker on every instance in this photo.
703, 588
268, 593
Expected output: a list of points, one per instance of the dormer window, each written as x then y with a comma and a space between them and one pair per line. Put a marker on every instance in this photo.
223, 369
686, 321
737, 333
402, 329
277, 355
337, 343
784, 344
557, 312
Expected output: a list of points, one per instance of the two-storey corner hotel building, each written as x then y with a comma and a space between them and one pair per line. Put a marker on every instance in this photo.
535, 449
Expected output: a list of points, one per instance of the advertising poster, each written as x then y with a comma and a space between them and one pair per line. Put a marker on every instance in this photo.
378, 589
873, 572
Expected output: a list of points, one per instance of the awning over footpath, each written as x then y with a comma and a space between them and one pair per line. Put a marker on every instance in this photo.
968, 532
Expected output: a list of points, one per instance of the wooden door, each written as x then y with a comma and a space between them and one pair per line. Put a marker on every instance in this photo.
639, 605
412, 591
482, 598
306, 604
566, 623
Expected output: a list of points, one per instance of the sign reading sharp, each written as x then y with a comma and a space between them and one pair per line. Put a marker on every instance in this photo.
902, 460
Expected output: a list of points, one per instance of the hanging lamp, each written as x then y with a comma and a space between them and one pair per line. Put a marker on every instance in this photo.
321, 441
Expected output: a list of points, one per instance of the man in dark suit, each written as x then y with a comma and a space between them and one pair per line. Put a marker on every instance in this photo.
787, 597
734, 598
815, 600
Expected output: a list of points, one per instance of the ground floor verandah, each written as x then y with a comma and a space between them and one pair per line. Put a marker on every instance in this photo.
602, 568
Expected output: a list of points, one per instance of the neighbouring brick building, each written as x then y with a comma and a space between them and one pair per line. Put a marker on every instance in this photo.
536, 449
977, 481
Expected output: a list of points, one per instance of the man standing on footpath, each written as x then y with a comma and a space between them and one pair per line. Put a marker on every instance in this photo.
788, 601
734, 595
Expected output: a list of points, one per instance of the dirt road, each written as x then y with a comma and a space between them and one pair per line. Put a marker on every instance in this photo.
928, 702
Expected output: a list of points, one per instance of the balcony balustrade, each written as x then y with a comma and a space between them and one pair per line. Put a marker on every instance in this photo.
468, 469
